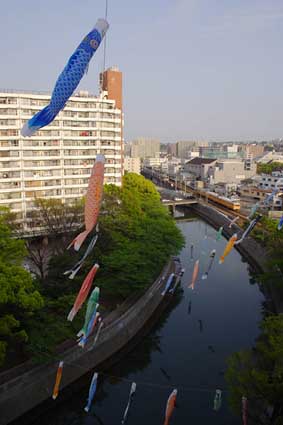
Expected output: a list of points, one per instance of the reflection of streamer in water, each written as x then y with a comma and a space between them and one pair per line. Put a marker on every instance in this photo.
200, 325
192, 252
132, 392
190, 307
165, 374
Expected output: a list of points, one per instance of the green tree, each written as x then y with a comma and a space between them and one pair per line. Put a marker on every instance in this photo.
269, 168
19, 298
258, 374
136, 238
56, 217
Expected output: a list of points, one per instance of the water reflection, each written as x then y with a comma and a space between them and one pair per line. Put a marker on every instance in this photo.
186, 348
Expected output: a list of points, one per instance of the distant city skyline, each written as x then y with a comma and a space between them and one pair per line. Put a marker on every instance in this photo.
192, 70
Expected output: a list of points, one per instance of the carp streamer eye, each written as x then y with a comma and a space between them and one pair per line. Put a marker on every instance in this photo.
94, 44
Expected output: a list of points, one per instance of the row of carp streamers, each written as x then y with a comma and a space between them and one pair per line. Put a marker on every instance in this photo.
228, 248
65, 85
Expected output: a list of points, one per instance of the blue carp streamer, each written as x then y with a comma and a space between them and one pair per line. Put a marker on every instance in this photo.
68, 80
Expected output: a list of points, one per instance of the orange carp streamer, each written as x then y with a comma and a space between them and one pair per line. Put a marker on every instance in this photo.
84, 291
93, 201
228, 247
171, 403
195, 275
58, 380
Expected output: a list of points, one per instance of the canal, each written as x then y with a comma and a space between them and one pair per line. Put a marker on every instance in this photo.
186, 349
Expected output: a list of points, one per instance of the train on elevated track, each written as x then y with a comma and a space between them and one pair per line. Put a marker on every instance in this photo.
230, 203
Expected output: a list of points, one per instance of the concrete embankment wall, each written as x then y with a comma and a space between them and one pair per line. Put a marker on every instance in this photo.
24, 392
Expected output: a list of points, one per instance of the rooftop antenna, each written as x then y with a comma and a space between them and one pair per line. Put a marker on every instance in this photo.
104, 54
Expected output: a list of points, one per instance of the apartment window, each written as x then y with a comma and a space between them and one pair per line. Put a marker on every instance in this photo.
7, 122
9, 185
8, 112
8, 100
15, 206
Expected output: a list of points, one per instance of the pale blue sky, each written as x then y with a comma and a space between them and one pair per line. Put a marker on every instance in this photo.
206, 69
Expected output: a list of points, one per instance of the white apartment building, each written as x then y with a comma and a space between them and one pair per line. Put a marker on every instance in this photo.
56, 162
132, 165
271, 181
155, 162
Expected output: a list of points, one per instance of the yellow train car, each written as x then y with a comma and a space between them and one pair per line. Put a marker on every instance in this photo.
232, 204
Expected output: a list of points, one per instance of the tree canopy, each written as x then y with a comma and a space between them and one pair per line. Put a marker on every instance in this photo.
269, 168
258, 374
19, 298
137, 236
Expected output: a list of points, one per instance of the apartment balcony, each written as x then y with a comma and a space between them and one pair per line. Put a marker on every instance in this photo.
35, 176
9, 153
44, 136
14, 206
113, 156
8, 167
41, 157
112, 174
5, 178
112, 138
81, 147
11, 189
65, 157
14, 136
41, 188
109, 147
77, 185
110, 129
41, 167
12, 113
40, 148
7, 148
79, 138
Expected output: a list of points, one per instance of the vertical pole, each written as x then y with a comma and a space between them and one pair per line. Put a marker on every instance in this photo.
104, 54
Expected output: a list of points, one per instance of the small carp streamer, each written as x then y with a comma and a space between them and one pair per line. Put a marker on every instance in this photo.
245, 410
74, 270
69, 79
280, 224
91, 307
253, 210
217, 400
168, 284
233, 222
248, 230
93, 201
219, 233
171, 403
58, 380
269, 198
97, 333
84, 291
210, 264
195, 275
92, 391
228, 248
132, 392
90, 326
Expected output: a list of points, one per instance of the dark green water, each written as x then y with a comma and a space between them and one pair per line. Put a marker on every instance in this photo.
187, 349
